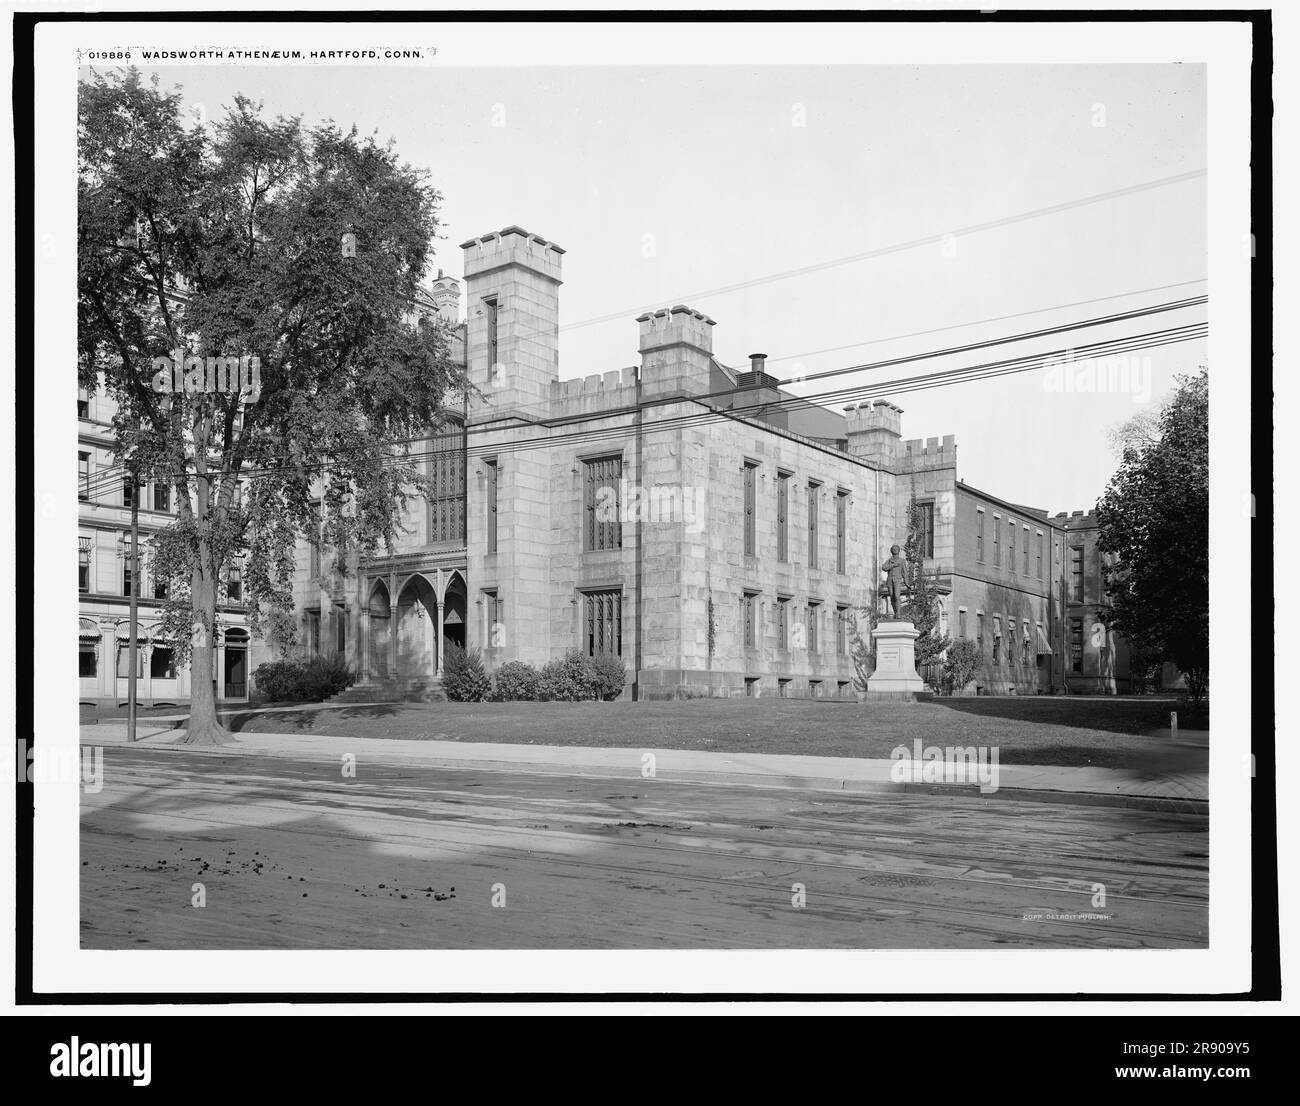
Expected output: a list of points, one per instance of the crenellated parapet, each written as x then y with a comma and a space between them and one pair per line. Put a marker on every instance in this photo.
929, 453
614, 390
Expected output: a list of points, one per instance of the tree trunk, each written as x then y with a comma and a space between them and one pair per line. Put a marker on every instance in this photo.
204, 729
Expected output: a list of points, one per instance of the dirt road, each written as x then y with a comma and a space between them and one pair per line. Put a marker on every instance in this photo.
289, 854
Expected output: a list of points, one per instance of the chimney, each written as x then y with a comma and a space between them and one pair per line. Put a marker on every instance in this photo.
758, 362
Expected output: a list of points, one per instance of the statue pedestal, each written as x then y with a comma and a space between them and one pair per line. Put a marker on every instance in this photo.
895, 673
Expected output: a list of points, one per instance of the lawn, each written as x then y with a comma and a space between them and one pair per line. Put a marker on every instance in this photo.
1105, 733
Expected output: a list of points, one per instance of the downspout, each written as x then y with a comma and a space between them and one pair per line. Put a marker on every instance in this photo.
640, 479
875, 553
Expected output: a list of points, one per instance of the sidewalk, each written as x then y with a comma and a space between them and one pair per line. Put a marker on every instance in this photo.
1186, 791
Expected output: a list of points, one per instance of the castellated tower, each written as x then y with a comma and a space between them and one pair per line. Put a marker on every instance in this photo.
874, 431
512, 307
512, 285
676, 352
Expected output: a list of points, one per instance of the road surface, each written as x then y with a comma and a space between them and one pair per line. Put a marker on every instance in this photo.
291, 854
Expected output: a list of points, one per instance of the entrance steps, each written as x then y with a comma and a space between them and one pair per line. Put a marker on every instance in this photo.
427, 689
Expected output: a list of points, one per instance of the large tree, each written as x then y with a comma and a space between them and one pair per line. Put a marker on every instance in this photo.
225, 240
1154, 518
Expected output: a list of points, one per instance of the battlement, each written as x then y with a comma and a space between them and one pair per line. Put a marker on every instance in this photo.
871, 415
512, 246
676, 326
930, 453
599, 391
1076, 520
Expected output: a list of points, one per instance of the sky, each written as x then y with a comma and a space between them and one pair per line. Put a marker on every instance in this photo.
665, 185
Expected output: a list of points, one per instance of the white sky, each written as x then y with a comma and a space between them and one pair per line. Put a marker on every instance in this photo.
660, 183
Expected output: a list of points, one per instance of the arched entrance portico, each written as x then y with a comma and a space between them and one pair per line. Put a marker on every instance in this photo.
380, 626
417, 638
411, 616
455, 604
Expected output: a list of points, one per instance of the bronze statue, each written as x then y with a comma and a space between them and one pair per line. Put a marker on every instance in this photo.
895, 570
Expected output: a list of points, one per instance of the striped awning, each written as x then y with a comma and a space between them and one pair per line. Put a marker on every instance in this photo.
1043, 645
89, 629
142, 632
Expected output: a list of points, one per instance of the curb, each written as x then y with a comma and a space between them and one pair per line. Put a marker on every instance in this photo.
775, 782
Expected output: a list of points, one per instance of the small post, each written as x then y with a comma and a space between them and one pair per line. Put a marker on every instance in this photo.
1173, 725
134, 617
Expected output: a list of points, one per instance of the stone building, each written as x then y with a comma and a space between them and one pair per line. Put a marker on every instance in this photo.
694, 518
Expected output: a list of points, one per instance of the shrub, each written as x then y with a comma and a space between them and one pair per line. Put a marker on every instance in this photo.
606, 675
518, 682
278, 680
463, 677
960, 664
326, 676
567, 680
296, 682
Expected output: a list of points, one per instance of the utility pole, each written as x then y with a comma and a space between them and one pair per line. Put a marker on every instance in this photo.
134, 648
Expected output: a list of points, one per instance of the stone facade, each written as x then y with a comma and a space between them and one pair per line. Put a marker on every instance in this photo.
712, 529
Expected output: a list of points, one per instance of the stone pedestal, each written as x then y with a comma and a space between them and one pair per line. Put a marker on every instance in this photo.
895, 673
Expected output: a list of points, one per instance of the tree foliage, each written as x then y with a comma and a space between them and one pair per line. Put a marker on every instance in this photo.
222, 240
960, 664
923, 600
1154, 520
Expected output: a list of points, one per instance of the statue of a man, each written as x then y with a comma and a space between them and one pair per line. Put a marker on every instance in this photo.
895, 570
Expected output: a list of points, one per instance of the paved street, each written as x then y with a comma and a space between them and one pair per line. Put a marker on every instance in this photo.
290, 855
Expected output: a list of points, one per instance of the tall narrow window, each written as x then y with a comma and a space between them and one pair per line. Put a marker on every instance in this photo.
490, 310
961, 622
313, 633
814, 490
314, 539
86, 661
447, 471
751, 480
997, 640
841, 631
83, 475
1040, 556
1076, 645
1076, 573
813, 613
1025, 568
927, 529
782, 516
162, 497
602, 528
604, 622
83, 564
979, 536
748, 618
491, 472
128, 492
83, 403
782, 623
494, 612
1011, 544
979, 630
841, 528
340, 630
234, 584
997, 543
124, 550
